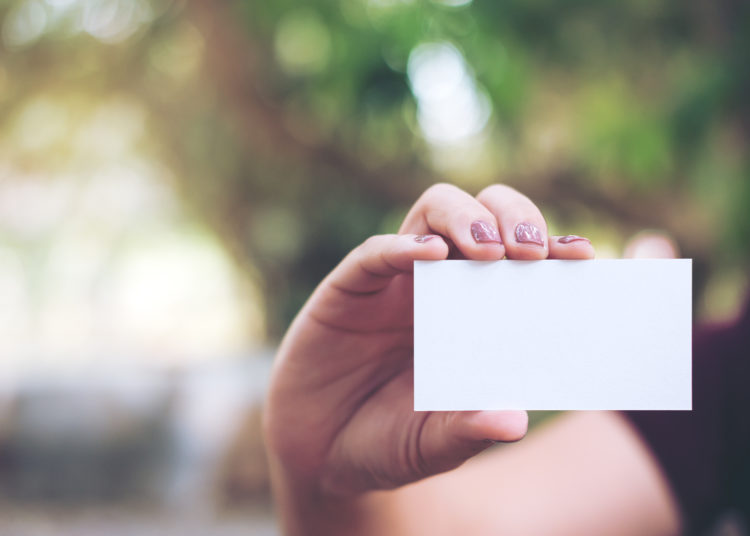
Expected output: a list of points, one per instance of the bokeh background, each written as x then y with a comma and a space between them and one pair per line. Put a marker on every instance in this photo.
177, 175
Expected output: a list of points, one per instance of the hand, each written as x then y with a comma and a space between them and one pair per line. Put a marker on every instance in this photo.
339, 416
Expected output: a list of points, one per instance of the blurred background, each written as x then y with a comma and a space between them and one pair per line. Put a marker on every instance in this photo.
177, 175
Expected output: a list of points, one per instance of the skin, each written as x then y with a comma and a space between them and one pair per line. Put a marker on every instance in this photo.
340, 427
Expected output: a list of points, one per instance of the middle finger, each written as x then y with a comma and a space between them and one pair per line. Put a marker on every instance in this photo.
521, 223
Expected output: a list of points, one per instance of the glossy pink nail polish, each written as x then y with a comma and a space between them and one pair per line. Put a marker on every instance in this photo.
483, 232
572, 238
528, 233
424, 238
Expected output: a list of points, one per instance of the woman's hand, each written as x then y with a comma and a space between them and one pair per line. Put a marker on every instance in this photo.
339, 419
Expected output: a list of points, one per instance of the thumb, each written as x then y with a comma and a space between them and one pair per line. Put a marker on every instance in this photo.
449, 438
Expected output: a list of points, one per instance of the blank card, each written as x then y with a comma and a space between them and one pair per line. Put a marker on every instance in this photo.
553, 335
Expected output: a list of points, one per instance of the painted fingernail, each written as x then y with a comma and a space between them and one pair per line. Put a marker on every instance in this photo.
572, 238
422, 238
528, 233
484, 232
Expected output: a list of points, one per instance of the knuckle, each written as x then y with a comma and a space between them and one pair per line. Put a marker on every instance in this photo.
438, 190
376, 242
494, 190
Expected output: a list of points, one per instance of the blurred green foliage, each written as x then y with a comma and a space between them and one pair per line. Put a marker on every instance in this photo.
296, 129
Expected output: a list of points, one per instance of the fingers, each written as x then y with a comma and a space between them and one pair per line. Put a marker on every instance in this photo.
450, 438
467, 224
570, 247
499, 221
370, 267
522, 226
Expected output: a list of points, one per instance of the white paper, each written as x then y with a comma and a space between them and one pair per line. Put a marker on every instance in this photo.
553, 334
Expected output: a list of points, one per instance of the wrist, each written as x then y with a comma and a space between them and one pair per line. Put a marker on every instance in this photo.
303, 507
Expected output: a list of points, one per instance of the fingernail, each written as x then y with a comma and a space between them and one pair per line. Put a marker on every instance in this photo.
484, 232
572, 238
527, 233
422, 238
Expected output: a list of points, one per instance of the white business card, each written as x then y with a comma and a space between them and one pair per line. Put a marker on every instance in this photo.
553, 335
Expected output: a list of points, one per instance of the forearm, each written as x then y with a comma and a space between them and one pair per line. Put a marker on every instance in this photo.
581, 473
587, 472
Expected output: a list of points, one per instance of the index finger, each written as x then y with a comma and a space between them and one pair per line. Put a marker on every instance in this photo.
449, 211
